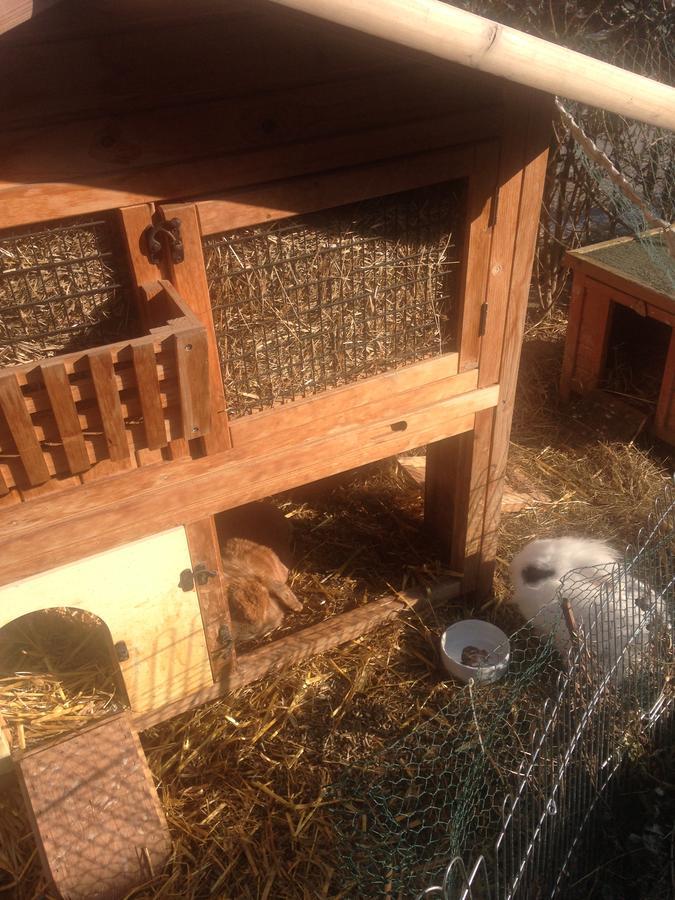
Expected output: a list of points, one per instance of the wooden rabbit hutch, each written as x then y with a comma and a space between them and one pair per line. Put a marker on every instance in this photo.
241, 249
622, 286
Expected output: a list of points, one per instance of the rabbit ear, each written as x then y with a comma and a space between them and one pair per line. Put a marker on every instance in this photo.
284, 595
249, 600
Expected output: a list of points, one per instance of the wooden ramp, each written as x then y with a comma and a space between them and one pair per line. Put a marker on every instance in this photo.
97, 819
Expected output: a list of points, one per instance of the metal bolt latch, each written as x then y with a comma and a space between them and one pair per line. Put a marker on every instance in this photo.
224, 637
171, 230
200, 575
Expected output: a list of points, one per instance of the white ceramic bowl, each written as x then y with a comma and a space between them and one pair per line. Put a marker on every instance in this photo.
484, 636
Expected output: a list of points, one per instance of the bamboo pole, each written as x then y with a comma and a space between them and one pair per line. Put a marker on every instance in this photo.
462, 37
14, 12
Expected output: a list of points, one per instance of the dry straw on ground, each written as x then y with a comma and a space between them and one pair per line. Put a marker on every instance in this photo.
243, 780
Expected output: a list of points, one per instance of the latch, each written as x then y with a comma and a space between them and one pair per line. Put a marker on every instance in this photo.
199, 575
483, 320
170, 228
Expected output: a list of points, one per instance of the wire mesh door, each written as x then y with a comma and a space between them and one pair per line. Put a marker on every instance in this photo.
322, 282
314, 302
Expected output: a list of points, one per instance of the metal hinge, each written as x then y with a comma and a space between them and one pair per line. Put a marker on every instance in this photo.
171, 230
494, 206
189, 577
483, 320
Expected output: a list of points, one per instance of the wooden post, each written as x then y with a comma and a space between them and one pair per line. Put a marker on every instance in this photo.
189, 279
205, 551
464, 485
574, 317
664, 419
535, 140
452, 504
592, 338
134, 222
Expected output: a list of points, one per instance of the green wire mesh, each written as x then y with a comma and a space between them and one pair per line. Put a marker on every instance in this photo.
405, 811
510, 775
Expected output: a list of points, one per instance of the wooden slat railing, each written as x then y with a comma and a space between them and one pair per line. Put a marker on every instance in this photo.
60, 417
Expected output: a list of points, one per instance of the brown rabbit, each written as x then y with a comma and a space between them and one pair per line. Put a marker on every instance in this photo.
260, 522
257, 591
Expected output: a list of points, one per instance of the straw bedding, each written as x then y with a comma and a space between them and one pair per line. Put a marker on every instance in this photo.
243, 780
313, 302
63, 287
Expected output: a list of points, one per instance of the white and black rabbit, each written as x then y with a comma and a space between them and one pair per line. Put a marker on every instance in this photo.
581, 566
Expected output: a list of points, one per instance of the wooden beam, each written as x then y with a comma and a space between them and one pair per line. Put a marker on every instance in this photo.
14, 12
189, 279
537, 139
618, 280
202, 539
305, 194
32, 202
449, 33
298, 647
39, 535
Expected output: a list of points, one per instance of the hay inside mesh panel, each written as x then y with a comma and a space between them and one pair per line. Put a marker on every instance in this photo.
310, 303
62, 287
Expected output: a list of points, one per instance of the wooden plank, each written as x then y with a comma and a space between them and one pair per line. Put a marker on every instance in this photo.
88, 146
120, 351
88, 416
134, 589
65, 414
396, 408
594, 330
574, 317
476, 252
454, 472
4, 486
615, 279
278, 200
193, 381
301, 414
664, 418
46, 200
458, 469
94, 811
504, 236
145, 367
537, 138
103, 17
14, 12
224, 56
297, 648
189, 279
202, 540
103, 376
134, 222
21, 427
318, 416
115, 511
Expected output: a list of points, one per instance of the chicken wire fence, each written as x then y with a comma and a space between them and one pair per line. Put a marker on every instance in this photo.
510, 776
312, 302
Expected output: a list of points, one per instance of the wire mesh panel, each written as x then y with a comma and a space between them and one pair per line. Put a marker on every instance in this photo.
513, 775
310, 303
62, 287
